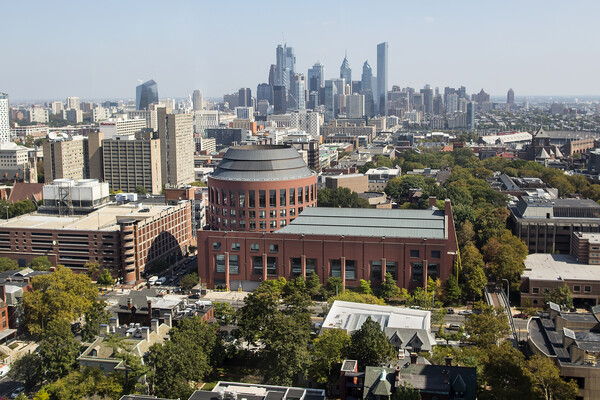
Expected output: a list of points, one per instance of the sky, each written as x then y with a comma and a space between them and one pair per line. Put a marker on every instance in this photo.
102, 49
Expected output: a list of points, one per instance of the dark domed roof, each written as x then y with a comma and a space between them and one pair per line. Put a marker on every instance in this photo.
261, 163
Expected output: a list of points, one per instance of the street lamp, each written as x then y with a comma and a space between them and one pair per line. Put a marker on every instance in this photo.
507, 291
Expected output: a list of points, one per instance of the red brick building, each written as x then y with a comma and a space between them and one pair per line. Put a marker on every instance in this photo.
352, 244
259, 189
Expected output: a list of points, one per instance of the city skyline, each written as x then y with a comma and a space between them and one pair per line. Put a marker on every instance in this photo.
529, 47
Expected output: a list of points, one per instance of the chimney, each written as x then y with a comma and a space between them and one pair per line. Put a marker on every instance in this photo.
129, 303
432, 201
104, 330
413, 358
145, 333
448, 359
113, 321
168, 321
154, 325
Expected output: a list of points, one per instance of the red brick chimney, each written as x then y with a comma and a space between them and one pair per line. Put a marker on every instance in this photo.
432, 201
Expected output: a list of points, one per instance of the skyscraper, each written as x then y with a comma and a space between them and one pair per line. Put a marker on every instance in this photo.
72, 103
245, 97
316, 77
146, 94
510, 98
272, 74
298, 92
4, 123
176, 134
382, 77
346, 72
471, 115
427, 99
366, 88
197, 102
330, 96
264, 91
285, 65
279, 99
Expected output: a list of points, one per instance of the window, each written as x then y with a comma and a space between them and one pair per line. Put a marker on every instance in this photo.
272, 213
300, 189
233, 223
351, 269
273, 248
252, 225
417, 272
271, 265
390, 268
282, 213
336, 268
436, 254
232, 213
262, 214
292, 196
234, 264
254, 247
224, 212
282, 223
242, 223
306, 194
242, 199
535, 290
251, 199
216, 245
587, 289
224, 196
263, 225
432, 271
257, 265
296, 266
292, 212
232, 198
577, 288
273, 198
281, 197
262, 198
235, 246
376, 270
242, 213
414, 253
220, 262
252, 214
273, 224
311, 266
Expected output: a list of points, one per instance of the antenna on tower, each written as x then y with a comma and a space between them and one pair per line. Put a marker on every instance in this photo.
283, 37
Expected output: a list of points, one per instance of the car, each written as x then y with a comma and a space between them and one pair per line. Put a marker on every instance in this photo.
465, 312
17, 392
521, 315
194, 296
454, 327
450, 310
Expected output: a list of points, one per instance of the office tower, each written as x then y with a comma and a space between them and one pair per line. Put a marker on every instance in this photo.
73, 115
57, 107
452, 103
279, 99
245, 97
313, 100
316, 77
297, 98
290, 62
232, 100
382, 77
65, 158
264, 91
417, 102
122, 127
272, 73
285, 67
176, 134
346, 71
366, 88
510, 98
146, 94
4, 122
481, 97
355, 106
129, 163
73, 103
471, 115
244, 113
462, 93
427, 93
330, 99
197, 102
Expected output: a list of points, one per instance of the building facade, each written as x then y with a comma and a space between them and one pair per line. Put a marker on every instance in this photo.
176, 134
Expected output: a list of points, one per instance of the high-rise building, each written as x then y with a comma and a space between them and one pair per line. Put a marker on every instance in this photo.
316, 77
285, 65
264, 91
382, 77
73, 103
272, 74
279, 99
427, 93
438, 105
330, 96
65, 158
510, 98
4, 121
197, 100
346, 72
245, 97
367, 89
355, 106
452, 103
471, 115
146, 94
176, 134
297, 97
57, 107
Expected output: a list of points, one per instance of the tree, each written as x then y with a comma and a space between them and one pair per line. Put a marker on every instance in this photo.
313, 284
560, 295
473, 275
334, 286
224, 313
41, 395
465, 233
389, 289
369, 345
260, 306
505, 255
340, 197
141, 190
88, 383
40, 263
8, 264
61, 295
364, 287
406, 392
93, 269
356, 298
58, 349
546, 379
105, 278
189, 281
28, 369
503, 374
488, 327
329, 350
453, 292
198, 184
383, 161
95, 315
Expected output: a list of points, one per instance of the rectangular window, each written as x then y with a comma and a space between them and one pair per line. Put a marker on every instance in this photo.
273, 224
233, 223
235, 246
257, 265
220, 262
263, 225
432, 271
224, 212
216, 245
252, 225
436, 254
296, 266
300, 195
351, 269
587, 289
306, 194
292, 196
234, 264
262, 198
273, 198
271, 265
242, 224
535, 290
242, 213
376, 270
251, 214
273, 248
577, 288
232, 198
272, 213
292, 212
254, 247
242, 199
282, 223
417, 272
262, 214
251, 199
224, 196
282, 212
282, 197
232, 213
336, 268
390, 267
311, 266
414, 253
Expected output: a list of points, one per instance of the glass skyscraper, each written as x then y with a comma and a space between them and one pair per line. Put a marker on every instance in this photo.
382, 77
146, 94
346, 72
316, 77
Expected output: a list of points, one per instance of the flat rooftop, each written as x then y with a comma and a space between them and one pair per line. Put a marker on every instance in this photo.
104, 219
430, 224
558, 267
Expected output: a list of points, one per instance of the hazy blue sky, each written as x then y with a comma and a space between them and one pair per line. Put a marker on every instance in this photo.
99, 49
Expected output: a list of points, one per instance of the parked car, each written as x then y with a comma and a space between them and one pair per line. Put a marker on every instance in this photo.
454, 327
465, 312
450, 310
521, 315
17, 392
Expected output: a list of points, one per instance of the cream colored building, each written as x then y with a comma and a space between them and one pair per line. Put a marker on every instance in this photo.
176, 134
65, 158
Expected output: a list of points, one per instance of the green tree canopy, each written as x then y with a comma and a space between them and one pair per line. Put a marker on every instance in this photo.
340, 197
58, 349
488, 327
329, 350
40, 263
369, 345
79, 384
189, 281
8, 264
